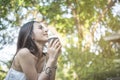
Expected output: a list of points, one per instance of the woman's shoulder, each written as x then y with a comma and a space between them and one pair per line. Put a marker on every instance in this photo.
24, 53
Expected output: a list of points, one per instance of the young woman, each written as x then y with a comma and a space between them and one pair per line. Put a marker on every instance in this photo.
30, 63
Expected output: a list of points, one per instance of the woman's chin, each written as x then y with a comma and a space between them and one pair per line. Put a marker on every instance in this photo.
46, 40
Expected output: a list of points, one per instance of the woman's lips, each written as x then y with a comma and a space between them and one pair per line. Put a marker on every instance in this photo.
46, 34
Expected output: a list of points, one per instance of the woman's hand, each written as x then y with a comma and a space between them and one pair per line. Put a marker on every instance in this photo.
54, 48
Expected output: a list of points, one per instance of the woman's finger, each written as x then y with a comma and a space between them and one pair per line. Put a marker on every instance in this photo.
59, 48
54, 43
50, 43
57, 44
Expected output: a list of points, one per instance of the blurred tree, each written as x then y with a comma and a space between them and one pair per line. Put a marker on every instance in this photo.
82, 23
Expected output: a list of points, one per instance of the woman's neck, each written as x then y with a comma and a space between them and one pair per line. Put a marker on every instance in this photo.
40, 49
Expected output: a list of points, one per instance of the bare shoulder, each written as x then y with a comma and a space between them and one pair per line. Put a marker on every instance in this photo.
24, 53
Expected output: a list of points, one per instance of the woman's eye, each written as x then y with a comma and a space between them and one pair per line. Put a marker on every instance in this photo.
40, 27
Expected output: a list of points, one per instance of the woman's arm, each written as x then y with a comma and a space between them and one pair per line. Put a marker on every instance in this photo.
27, 63
49, 70
53, 52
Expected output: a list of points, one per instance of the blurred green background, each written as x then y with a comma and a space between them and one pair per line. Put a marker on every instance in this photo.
81, 25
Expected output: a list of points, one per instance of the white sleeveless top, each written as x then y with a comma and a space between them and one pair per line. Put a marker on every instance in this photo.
15, 75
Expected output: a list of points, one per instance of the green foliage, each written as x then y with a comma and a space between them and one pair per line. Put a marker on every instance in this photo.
70, 17
2, 74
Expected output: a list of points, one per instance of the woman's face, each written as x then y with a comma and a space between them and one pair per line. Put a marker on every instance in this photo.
40, 32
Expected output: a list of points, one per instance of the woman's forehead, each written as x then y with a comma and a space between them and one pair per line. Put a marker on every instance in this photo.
37, 24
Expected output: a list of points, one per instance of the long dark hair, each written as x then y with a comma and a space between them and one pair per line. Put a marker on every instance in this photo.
25, 38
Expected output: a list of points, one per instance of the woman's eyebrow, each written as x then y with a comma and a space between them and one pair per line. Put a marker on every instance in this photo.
43, 25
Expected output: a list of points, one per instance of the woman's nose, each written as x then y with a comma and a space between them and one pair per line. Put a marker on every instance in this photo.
46, 29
